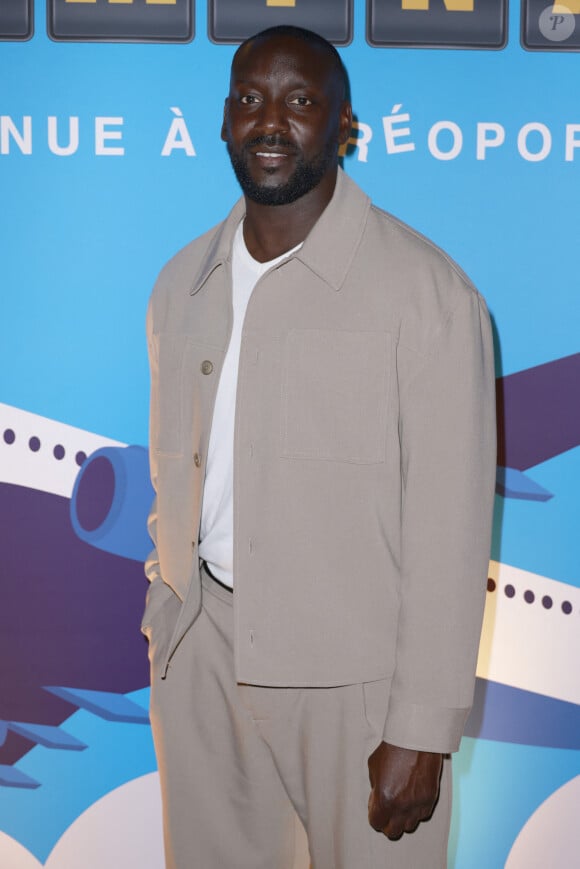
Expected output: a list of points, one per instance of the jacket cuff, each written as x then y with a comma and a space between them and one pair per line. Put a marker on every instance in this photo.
424, 728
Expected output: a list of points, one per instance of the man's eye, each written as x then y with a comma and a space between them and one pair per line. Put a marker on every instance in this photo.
249, 99
301, 101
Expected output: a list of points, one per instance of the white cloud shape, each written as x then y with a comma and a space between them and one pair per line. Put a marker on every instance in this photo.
122, 830
14, 855
551, 836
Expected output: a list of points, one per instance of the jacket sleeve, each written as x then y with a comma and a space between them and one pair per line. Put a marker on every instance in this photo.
448, 455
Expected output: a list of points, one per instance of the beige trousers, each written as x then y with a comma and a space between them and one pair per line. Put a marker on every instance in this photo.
236, 761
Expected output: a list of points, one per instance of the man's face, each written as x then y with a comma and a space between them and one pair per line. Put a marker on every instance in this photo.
284, 119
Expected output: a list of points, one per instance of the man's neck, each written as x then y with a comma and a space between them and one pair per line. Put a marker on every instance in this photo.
271, 230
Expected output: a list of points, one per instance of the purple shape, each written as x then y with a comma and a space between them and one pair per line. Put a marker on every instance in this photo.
547, 602
34, 444
9, 436
96, 492
72, 618
80, 458
509, 591
538, 413
58, 452
567, 607
508, 714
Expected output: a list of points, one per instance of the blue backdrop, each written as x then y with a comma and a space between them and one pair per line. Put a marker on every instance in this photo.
110, 160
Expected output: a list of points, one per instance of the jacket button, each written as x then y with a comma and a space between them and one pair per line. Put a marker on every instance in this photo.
197, 460
206, 367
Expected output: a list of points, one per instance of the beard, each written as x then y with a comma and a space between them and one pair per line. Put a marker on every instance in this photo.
306, 175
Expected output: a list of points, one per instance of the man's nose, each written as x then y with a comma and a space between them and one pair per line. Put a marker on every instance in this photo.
273, 116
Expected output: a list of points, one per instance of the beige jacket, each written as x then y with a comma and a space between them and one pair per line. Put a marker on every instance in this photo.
363, 463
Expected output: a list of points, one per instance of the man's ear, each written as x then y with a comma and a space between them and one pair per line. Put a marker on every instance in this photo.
224, 121
345, 123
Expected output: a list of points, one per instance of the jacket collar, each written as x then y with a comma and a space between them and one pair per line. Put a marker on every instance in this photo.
328, 249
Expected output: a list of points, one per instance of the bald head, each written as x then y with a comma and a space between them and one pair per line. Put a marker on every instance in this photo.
318, 43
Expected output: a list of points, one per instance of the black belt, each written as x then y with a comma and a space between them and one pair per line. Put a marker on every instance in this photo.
215, 579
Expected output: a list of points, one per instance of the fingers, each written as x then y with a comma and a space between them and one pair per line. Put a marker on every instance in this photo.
394, 821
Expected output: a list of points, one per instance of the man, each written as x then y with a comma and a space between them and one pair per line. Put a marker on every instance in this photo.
322, 447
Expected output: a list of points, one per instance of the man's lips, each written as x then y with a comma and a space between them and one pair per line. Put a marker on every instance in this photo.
269, 153
269, 160
270, 147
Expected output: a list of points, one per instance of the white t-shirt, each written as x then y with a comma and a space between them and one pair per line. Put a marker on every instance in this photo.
217, 514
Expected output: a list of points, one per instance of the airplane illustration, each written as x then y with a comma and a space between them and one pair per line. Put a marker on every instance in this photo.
527, 691
75, 506
69, 611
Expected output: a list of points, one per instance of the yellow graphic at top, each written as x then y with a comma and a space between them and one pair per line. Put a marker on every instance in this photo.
450, 5
567, 8
280, 2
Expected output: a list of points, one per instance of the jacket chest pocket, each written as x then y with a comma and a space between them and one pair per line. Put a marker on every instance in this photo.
335, 395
